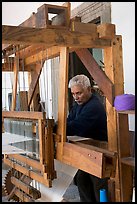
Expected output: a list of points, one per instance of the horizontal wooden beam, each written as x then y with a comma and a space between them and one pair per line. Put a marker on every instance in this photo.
89, 156
26, 160
24, 115
58, 37
83, 158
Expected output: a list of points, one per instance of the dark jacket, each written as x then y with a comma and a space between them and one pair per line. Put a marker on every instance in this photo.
88, 120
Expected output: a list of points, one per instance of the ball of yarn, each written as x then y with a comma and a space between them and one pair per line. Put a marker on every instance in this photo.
124, 102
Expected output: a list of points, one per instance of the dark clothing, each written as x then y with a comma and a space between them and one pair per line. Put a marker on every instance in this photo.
88, 120
89, 186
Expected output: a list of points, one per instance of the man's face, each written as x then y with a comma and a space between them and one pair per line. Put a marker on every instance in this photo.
81, 95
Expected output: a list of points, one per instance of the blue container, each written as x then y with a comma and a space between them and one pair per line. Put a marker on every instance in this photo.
103, 195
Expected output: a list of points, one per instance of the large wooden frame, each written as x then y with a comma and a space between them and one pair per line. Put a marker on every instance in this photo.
32, 36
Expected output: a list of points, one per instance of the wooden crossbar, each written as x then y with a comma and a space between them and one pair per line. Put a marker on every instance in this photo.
24, 115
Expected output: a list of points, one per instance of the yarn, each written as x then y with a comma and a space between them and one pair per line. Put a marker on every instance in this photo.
124, 102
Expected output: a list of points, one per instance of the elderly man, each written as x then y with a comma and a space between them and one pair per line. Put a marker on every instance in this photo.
87, 119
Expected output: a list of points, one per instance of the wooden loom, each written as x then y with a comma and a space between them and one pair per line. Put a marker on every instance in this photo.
67, 35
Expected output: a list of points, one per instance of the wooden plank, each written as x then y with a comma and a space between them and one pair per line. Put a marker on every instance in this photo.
123, 135
45, 54
23, 197
49, 149
62, 99
109, 158
41, 132
24, 115
34, 81
124, 151
9, 49
26, 160
84, 28
95, 148
98, 75
59, 37
106, 30
126, 177
13, 190
30, 190
83, 158
31, 50
113, 62
35, 102
14, 91
23, 97
28, 172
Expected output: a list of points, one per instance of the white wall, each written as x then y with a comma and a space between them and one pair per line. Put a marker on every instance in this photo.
123, 16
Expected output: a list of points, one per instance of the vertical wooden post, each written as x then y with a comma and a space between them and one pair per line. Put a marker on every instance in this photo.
14, 91
114, 70
41, 130
49, 149
62, 99
126, 172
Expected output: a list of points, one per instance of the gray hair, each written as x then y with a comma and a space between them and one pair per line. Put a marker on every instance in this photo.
79, 80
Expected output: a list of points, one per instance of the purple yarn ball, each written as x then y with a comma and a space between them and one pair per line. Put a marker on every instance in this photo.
124, 102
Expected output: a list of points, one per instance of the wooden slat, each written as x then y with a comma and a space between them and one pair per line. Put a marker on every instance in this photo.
14, 91
126, 182
41, 131
24, 115
23, 197
28, 172
26, 35
123, 135
23, 97
114, 70
62, 98
106, 30
13, 190
84, 28
95, 148
113, 62
98, 75
49, 149
30, 190
83, 158
26, 160
124, 151
34, 82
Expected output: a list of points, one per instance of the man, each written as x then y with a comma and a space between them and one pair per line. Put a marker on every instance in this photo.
87, 119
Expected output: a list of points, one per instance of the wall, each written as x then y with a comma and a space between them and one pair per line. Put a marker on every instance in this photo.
123, 16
